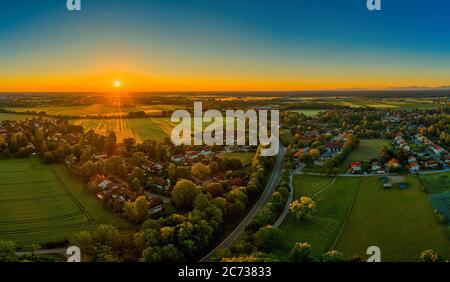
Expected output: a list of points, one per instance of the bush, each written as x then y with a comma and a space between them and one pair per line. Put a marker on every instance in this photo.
430, 256
303, 209
300, 252
332, 256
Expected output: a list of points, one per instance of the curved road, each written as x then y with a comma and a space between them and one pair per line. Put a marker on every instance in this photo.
265, 196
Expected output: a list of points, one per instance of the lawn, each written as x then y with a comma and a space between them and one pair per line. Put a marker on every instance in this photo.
6, 116
400, 222
44, 204
308, 185
367, 149
333, 206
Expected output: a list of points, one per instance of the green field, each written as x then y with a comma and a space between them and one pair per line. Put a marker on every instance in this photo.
94, 109
389, 103
5, 116
333, 205
366, 150
44, 204
309, 112
140, 128
400, 222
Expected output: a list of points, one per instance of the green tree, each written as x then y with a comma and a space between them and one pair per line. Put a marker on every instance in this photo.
184, 194
300, 252
137, 211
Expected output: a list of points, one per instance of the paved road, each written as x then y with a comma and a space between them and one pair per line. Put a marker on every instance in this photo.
285, 212
265, 196
61, 251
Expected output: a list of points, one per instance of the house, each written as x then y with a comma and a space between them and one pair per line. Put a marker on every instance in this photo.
156, 205
301, 152
437, 149
431, 164
355, 167
376, 166
334, 146
414, 167
177, 158
160, 183
412, 159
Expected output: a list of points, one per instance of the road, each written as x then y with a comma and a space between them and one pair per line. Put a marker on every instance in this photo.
285, 212
265, 196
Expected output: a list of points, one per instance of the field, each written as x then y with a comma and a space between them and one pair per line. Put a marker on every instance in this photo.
400, 222
5, 116
403, 103
94, 110
43, 204
367, 149
333, 205
309, 113
140, 129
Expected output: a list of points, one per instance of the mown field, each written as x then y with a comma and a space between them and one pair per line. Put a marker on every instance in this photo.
366, 150
5, 116
309, 112
404, 103
44, 204
95, 109
400, 222
140, 129
333, 205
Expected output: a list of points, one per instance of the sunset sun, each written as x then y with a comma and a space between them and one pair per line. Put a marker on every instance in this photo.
117, 83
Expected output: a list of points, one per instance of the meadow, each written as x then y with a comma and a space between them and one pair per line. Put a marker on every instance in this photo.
309, 112
400, 222
366, 150
333, 205
6, 116
44, 204
386, 103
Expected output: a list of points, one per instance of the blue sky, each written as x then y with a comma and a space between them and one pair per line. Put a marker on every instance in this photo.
297, 44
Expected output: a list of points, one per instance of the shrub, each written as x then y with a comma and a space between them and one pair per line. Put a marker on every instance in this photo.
303, 208
300, 252
332, 256
430, 256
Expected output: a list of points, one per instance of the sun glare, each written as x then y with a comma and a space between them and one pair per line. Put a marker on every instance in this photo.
117, 83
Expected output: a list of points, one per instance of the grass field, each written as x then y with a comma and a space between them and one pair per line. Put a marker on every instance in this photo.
5, 116
43, 204
140, 129
333, 205
367, 149
309, 113
400, 222
95, 109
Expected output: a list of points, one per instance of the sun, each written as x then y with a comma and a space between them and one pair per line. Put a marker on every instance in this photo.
117, 83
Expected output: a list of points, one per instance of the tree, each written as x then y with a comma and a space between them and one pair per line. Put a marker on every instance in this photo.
430, 256
184, 194
266, 238
215, 189
111, 143
115, 166
7, 251
314, 153
300, 252
200, 171
303, 208
137, 211
129, 144
48, 158
332, 256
